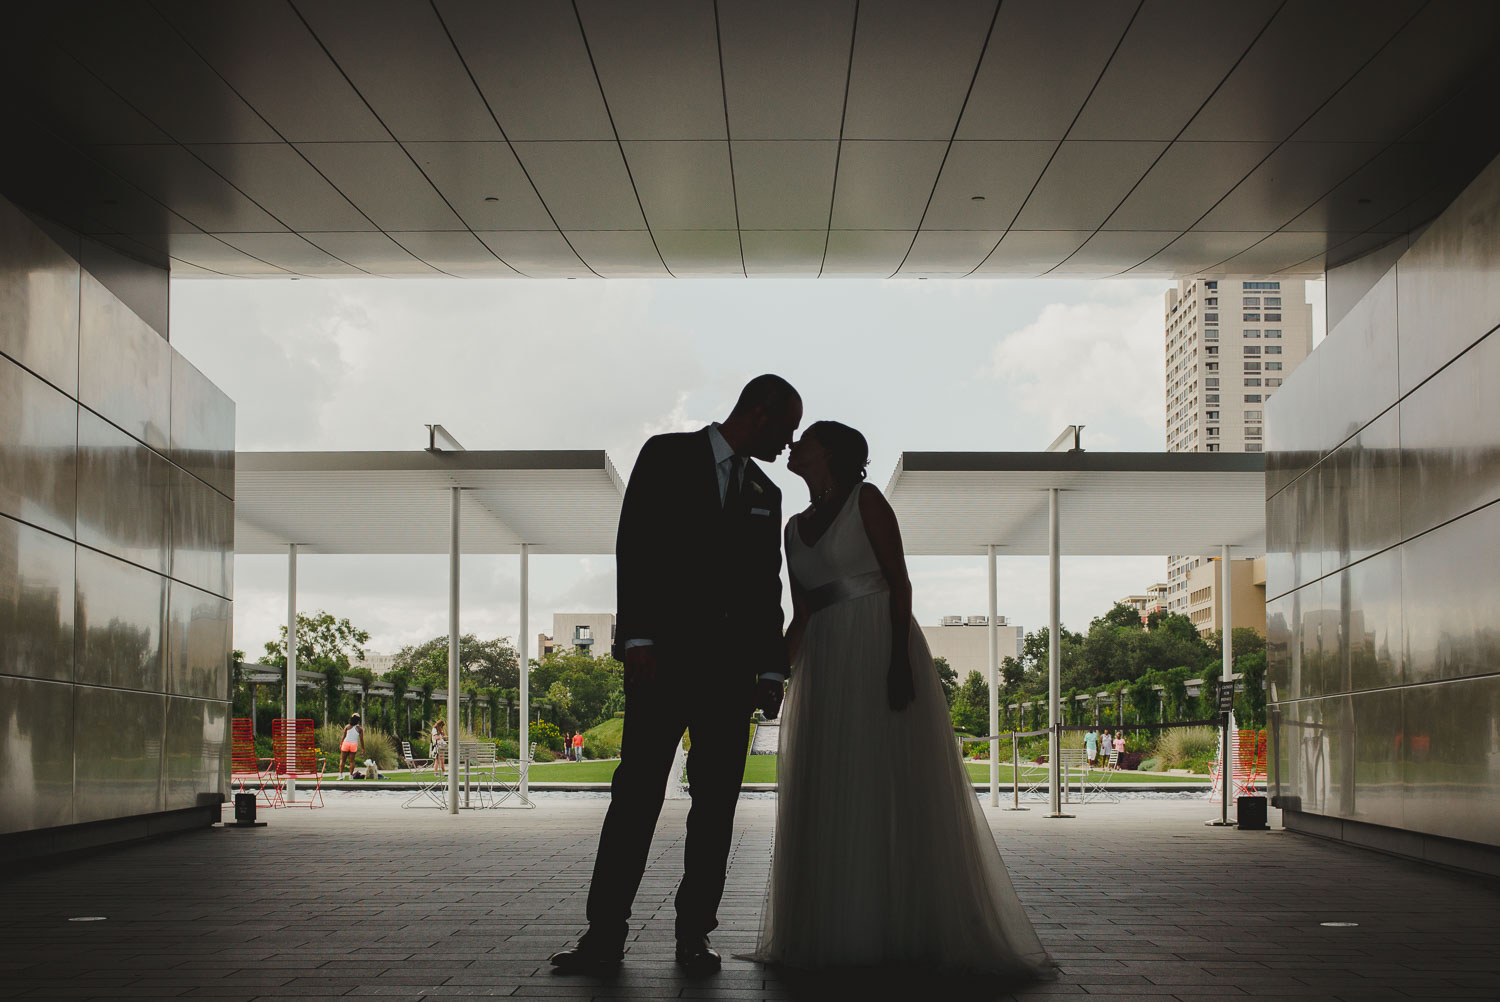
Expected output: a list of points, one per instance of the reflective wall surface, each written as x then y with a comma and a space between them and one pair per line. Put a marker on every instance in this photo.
116, 547
1383, 581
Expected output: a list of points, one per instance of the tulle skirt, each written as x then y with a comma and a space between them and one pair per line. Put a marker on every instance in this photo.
882, 855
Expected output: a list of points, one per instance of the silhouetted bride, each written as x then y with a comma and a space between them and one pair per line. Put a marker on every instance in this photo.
883, 857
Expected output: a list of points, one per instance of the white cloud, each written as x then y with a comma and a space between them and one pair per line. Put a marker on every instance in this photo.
1097, 363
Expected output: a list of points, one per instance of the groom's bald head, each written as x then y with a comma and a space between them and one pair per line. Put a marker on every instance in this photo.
765, 417
767, 393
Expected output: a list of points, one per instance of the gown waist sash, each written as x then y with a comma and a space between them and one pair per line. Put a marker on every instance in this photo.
844, 589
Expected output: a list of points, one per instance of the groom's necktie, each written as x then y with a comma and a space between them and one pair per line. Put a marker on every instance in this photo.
732, 491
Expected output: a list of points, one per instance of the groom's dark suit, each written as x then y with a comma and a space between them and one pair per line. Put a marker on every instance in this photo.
700, 579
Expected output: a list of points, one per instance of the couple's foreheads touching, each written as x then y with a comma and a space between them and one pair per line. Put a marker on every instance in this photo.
765, 419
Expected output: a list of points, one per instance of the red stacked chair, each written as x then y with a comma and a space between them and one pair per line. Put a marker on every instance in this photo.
295, 749
244, 766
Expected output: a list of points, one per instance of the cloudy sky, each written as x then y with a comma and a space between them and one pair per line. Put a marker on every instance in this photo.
968, 365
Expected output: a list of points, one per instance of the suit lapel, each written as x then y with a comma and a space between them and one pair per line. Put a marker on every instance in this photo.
711, 467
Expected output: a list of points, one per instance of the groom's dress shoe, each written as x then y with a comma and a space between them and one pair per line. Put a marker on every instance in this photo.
585, 959
695, 957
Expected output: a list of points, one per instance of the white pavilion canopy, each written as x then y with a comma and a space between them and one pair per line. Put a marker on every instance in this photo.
434, 501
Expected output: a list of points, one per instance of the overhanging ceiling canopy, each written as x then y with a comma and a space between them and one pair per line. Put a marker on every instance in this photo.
399, 502
756, 138
1111, 503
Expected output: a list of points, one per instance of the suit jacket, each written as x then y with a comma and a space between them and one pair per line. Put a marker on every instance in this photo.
701, 581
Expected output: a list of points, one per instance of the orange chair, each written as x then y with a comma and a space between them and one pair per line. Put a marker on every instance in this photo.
244, 767
295, 757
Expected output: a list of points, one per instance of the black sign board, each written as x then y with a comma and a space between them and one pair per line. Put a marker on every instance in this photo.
1226, 697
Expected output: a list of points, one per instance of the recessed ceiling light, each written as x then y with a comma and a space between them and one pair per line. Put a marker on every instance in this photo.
491, 198
976, 198
1365, 201
88, 918
1339, 925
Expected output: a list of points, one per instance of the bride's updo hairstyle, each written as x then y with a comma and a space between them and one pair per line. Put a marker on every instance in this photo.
848, 452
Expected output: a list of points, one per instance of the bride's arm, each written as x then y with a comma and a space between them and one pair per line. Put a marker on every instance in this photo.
798, 625
885, 539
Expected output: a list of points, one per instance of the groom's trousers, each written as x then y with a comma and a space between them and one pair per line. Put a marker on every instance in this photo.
716, 713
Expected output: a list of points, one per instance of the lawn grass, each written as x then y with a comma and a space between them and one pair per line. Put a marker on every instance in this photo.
762, 769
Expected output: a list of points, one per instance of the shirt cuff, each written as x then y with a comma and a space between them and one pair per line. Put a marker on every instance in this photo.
639, 642
772, 676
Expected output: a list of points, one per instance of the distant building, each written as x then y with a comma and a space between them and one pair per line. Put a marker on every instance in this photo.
1229, 344
377, 663
1154, 600
964, 642
1247, 586
593, 633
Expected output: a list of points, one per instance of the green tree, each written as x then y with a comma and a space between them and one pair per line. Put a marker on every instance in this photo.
323, 642
578, 686
971, 705
947, 678
1119, 615
484, 663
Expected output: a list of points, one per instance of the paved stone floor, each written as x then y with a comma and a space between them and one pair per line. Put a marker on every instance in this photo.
365, 901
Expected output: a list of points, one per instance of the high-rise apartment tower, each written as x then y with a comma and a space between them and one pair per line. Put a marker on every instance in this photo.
1230, 343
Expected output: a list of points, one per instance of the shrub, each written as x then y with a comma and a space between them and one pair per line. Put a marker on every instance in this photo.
1149, 765
546, 735
545, 754
1131, 760
1177, 747
381, 747
508, 748
595, 747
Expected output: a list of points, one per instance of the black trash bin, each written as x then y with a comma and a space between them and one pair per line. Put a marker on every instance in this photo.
1251, 812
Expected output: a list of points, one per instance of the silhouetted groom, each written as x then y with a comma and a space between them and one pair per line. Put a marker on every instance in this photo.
698, 562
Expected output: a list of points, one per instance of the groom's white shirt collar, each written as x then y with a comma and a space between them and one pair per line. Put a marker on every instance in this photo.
722, 449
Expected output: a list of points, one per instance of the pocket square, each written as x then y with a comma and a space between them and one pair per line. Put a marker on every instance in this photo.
760, 511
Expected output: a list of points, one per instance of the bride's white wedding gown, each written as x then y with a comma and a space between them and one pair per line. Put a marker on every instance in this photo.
883, 856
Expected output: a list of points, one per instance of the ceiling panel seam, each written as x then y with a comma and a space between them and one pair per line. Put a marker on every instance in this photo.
1084, 104
838, 151
510, 146
400, 145
1166, 149
938, 177
1297, 128
235, 91
599, 82
734, 193
82, 154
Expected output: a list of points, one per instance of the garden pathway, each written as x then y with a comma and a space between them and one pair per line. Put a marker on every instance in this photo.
366, 901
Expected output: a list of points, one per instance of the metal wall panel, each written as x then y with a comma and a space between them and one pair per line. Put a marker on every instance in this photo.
1293, 444
1448, 296
122, 494
197, 740
120, 612
124, 366
1320, 656
1451, 591
38, 451
1362, 494
1450, 441
202, 427
36, 749
1282, 653
1357, 372
38, 301
117, 752
198, 639
1343, 756
1281, 539
1368, 596
1453, 759
202, 534
36, 603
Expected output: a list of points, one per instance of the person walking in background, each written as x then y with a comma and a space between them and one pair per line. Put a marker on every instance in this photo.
1091, 745
578, 747
439, 745
1120, 742
352, 746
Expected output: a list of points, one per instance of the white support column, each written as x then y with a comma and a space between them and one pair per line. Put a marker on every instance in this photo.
994, 680
291, 662
455, 725
1054, 654
523, 652
1226, 620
